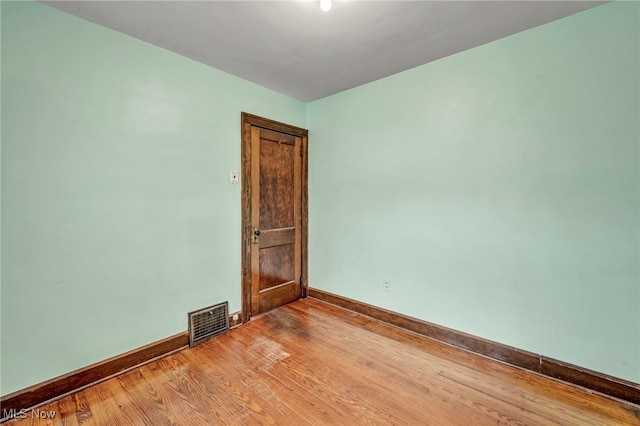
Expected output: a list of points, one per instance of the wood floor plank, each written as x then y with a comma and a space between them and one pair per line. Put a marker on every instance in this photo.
311, 363
84, 415
280, 389
414, 395
344, 366
129, 408
247, 386
562, 397
146, 400
240, 403
419, 380
67, 411
325, 361
176, 396
101, 396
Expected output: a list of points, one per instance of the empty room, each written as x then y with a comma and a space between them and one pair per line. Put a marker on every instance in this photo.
320, 212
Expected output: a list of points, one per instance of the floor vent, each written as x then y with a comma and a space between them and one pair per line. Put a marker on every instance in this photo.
208, 322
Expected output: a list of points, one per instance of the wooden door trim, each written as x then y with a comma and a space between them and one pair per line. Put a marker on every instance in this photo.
247, 121
275, 126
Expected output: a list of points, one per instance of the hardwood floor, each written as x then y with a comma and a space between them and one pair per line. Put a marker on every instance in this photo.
310, 363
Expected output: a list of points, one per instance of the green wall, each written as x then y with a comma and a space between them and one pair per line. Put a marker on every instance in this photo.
118, 217
497, 190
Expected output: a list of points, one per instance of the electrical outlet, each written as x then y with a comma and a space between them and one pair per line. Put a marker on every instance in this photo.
386, 285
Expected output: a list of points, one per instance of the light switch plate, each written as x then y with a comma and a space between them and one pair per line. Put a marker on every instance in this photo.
233, 176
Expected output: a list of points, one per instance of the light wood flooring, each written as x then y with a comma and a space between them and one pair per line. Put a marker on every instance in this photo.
310, 363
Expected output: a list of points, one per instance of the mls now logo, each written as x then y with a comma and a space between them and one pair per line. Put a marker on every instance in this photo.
23, 414
14, 414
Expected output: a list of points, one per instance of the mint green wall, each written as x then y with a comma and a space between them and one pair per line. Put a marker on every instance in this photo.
118, 216
497, 190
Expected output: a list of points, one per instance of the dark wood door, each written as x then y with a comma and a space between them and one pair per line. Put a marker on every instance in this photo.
275, 242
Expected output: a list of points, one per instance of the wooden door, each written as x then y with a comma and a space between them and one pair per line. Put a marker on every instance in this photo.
274, 212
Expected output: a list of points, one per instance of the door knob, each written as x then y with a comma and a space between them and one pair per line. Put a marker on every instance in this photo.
256, 234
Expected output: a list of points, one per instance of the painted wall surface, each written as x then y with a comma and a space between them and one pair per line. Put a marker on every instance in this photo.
497, 191
118, 217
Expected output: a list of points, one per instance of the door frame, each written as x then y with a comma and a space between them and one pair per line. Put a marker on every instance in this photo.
248, 121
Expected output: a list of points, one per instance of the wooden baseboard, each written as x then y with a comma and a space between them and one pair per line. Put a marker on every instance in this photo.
76, 380
608, 385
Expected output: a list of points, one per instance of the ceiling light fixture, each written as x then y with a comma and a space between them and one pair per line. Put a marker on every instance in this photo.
325, 5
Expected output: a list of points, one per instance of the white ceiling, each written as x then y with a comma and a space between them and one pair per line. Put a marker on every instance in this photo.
294, 48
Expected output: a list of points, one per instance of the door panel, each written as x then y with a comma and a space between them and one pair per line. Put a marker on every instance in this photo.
276, 266
277, 237
277, 209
